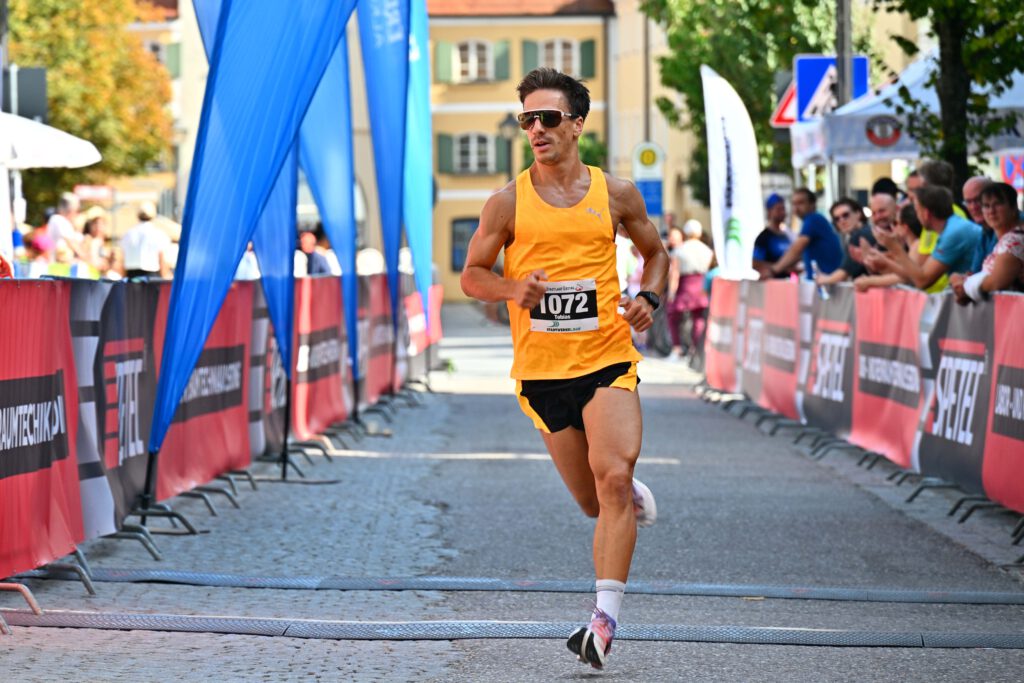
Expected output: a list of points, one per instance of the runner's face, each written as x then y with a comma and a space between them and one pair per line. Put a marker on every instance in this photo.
551, 145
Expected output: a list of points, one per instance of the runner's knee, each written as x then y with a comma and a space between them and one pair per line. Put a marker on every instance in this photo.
615, 484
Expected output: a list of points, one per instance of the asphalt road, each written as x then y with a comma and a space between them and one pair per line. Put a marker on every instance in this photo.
462, 488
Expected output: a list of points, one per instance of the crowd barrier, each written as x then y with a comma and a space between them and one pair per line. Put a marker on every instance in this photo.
935, 387
79, 365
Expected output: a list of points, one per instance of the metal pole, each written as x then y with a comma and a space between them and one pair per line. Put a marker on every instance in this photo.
844, 79
148, 491
287, 428
647, 79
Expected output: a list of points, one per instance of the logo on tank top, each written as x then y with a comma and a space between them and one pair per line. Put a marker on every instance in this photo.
596, 213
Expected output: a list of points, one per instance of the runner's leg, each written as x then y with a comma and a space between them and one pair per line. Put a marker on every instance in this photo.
614, 426
568, 449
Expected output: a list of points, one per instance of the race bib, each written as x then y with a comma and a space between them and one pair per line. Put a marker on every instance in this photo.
566, 307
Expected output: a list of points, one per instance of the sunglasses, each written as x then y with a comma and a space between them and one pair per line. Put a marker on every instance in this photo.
841, 216
549, 118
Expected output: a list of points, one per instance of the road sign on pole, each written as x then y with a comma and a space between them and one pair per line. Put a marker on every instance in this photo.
814, 77
648, 168
785, 114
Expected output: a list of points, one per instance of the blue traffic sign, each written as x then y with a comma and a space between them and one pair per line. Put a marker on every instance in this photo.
815, 76
651, 191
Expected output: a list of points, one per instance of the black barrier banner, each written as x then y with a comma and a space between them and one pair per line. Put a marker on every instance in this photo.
275, 395
828, 393
112, 329
951, 444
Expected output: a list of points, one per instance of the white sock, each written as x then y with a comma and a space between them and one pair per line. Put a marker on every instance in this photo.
609, 597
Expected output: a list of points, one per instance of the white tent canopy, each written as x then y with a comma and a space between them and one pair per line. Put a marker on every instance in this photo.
868, 128
25, 143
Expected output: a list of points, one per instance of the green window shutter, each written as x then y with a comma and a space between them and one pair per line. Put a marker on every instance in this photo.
588, 59
529, 56
173, 59
500, 60
443, 62
502, 163
445, 162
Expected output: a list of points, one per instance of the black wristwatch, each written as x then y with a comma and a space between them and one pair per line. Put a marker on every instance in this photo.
650, 297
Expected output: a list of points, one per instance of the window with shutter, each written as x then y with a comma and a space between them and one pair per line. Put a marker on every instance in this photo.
475, 61
530, 61
474, 153
445, 162
443, 62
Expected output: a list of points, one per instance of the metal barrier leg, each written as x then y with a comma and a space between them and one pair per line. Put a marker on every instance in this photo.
1018, 532
962, 501
929, 483
206, 488
202, 496
5, 630
977, 506
80, 556
165, 511
248, 475
230, 480
83, 575
136, 536
869, 455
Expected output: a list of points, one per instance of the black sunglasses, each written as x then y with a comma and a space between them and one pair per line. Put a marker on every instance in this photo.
549, 118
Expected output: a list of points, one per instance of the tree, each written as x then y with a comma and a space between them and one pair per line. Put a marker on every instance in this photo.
747, 42
980, 44
102, 85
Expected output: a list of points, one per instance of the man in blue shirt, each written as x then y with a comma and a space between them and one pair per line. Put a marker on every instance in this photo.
773, 241
972, 200
817, 242
954, 252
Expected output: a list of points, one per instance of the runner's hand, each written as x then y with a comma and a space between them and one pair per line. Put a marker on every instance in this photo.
637, 313
530, 290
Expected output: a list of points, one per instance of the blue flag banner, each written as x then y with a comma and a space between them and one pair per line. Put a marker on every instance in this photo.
418, 183
274, 238
326, 155
384, 37
267, 61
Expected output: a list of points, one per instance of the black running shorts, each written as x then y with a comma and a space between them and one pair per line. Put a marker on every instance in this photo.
554, 404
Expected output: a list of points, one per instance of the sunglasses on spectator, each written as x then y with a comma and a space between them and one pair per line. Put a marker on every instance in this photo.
991, 205
549, 118
841, 216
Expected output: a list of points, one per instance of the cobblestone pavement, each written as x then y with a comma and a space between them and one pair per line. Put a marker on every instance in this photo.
463, 489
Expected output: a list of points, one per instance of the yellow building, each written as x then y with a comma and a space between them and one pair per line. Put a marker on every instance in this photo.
480, 50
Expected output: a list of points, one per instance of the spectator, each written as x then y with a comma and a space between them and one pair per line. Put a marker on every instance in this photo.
309, 261
94, 240
954, 247
146, 247
887, 186
972, 200
848, 217
1003, 269
913, 181
907, 228
773, 241
248, 267
940, 173
689, 262
817, 242
323, 247
60, 227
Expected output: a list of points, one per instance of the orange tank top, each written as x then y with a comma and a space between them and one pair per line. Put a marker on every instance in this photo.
576, 329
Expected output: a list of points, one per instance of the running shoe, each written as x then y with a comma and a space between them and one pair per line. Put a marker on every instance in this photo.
592, 644
644, 507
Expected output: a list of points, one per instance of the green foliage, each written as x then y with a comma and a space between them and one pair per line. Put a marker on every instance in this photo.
747, 42
981, 44
102, 85
593, 152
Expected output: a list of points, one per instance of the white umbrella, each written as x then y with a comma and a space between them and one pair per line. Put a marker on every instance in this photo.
25, 143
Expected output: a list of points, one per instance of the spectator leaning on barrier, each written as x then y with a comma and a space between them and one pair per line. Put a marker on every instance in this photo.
145, 246
773, 241
940, 173
953, 249
907, 228
1003, 269
848, 217
817, 242
972, 200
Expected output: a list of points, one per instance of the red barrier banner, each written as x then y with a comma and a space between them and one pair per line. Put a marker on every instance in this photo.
436, 299
1003, 468
887, 397
780, 346
720, 345
417, 324
828, 392
40, 506
209, 434
320, 354
958, 378
750, 341
376, 339
112, 327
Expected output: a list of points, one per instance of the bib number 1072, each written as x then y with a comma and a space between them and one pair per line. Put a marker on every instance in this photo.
566, 307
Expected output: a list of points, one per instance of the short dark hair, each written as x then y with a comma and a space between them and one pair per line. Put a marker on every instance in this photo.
545, 78
908, 217
885, 185
1002, 192
937, 172
937, 199
854, 205
811, 197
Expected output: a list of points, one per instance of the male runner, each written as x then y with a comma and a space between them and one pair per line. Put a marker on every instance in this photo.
573, 358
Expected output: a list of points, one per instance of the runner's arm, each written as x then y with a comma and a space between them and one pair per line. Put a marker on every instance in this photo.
496, 230
628, 208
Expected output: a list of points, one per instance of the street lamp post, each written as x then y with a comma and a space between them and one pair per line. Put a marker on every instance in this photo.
508, 130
